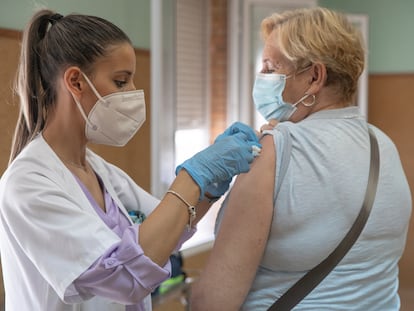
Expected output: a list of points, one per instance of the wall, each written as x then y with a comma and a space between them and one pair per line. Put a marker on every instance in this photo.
130, 15
9, 47
391, 109
218, 66
391, 47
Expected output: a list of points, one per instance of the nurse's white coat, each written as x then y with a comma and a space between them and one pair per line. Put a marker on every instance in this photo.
42, 251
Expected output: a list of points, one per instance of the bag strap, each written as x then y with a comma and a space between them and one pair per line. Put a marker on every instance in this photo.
311, 279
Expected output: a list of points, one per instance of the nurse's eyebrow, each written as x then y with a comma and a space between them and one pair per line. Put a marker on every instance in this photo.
124, 71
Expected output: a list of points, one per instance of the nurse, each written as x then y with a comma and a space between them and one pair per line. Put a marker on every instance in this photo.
66, 240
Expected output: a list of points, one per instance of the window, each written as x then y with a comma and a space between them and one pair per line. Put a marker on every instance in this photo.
179, 86
179, 96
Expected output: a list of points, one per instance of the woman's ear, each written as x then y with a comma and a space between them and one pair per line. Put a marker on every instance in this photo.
73, 80
318, 78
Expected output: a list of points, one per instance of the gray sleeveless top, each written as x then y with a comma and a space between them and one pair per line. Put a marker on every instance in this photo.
322, 166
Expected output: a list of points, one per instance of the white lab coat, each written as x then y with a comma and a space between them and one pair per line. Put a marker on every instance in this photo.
50, 233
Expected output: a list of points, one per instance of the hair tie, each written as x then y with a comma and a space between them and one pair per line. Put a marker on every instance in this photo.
55, 18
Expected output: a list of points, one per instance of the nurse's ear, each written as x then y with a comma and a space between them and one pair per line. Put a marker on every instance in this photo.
74, 81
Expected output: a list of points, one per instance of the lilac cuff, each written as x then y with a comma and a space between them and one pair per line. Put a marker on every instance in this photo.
123, 273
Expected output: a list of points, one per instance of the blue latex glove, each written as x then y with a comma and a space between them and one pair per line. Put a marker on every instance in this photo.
237, 127
230, 155
216, 190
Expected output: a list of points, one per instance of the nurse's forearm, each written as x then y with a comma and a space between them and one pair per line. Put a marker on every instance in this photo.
161, 231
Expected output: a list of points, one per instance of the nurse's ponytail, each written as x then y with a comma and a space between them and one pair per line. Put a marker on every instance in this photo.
28, 84
50, 44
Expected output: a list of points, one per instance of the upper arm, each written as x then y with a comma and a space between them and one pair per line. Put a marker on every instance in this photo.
242, 236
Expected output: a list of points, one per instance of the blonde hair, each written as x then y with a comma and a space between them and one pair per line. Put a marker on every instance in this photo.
319, 35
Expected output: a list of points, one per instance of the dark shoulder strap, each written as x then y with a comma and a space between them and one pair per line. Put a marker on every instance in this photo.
311, 279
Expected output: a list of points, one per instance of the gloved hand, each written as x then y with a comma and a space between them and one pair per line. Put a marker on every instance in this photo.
216, 190
230, 155
237, 127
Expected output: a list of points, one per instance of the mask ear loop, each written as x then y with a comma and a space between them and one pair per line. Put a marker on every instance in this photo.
85, 117
90, 124
92, 87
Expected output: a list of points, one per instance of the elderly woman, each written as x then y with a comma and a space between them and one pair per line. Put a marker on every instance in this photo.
306, 189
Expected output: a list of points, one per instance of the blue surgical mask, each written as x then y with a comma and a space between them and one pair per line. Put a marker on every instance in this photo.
267, 96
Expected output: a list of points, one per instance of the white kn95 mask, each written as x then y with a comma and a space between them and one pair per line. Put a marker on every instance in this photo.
115, 118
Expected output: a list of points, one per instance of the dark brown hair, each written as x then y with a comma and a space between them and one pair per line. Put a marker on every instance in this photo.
51, 43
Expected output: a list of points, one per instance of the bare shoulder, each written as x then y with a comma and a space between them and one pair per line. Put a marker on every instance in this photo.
261, 174
267, 156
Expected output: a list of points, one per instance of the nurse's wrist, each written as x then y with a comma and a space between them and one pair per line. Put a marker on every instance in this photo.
190, 208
